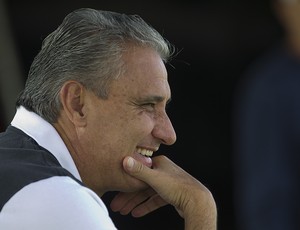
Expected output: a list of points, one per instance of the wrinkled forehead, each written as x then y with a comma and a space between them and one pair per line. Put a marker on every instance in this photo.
144, 72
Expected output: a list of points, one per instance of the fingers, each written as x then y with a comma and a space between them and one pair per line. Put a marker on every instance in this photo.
163, 170
148, 206
142, 202
137, 169
126, 202
174, 186
138, 204
120, 201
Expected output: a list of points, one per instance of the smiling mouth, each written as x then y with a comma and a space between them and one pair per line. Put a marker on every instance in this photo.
145, 152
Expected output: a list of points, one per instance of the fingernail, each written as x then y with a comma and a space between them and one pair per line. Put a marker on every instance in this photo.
130, 163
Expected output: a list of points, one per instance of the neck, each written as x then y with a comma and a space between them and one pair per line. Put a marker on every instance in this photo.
69, 135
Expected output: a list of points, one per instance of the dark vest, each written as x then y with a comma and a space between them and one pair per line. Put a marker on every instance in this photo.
23, 161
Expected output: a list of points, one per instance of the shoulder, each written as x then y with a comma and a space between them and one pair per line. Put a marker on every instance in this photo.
20, 167
55, 203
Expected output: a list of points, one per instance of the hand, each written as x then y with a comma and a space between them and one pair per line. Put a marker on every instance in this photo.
138, 203
168, 184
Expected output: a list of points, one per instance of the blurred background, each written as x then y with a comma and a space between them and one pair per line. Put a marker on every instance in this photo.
217, 41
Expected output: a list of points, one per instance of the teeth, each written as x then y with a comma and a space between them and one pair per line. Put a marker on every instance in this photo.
145, 152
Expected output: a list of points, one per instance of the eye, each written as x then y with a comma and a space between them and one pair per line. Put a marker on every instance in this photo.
148, 105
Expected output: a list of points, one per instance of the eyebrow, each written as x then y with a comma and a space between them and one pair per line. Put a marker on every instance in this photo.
156, 99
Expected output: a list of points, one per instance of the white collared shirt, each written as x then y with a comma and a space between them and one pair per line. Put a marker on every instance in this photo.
58, 202
46, 136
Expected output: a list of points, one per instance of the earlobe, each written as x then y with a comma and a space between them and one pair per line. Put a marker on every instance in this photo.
72, 99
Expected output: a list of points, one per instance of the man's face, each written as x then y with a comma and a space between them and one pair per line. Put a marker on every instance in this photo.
131, 121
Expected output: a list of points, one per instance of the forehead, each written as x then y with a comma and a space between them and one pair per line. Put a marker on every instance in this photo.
145, 73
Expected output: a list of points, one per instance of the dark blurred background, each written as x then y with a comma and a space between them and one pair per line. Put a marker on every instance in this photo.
217, 41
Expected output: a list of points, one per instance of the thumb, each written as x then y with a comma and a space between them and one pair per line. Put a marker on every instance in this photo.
136, 169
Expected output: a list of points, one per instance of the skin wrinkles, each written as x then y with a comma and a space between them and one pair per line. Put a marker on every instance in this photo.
136, 108
108, 124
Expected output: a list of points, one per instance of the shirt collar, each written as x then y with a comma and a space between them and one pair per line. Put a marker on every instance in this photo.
46, 136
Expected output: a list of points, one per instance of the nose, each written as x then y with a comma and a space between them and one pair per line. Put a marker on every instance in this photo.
164, 130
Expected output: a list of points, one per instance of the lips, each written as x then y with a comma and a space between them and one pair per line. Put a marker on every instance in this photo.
143, 156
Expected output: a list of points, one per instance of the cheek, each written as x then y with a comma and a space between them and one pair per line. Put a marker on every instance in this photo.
118, 133
142, 126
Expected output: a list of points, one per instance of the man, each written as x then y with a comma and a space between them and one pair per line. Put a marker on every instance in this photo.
88, 121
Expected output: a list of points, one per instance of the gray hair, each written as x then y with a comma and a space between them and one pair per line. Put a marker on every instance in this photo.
87, 47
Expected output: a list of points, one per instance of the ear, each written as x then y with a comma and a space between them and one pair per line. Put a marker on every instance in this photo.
72, 96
